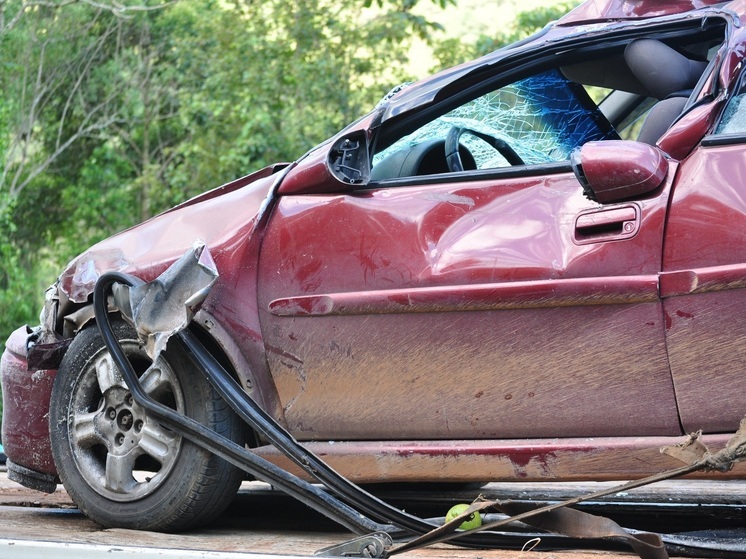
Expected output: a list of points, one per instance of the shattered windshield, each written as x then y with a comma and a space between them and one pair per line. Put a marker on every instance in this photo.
542, 118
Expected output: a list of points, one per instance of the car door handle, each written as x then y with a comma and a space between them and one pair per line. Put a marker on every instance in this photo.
610, 224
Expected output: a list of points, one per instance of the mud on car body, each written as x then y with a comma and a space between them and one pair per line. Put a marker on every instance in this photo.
529, 266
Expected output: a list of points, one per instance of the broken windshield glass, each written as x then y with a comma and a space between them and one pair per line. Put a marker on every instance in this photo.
542, 117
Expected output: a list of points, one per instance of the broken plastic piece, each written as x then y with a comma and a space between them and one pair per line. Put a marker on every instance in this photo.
694, 451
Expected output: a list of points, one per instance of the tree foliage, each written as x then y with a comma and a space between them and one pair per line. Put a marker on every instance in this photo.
453, 51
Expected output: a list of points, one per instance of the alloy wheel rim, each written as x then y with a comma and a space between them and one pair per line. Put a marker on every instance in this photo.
122, 453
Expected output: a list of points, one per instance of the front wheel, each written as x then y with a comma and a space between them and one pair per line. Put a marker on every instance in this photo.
120, 466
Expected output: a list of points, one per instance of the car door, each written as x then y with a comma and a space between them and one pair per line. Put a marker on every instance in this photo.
498, 302
704, 273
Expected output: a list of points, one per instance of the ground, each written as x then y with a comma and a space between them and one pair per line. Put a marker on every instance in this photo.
260, 521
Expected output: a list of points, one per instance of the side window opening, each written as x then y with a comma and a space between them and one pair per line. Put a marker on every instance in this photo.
652, 83
632, 90
734, 117
541, 118
733, 120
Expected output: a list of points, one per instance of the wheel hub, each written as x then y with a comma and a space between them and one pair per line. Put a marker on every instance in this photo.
122, 453
120, 422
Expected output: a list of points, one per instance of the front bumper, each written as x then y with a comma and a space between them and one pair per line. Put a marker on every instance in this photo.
25, 432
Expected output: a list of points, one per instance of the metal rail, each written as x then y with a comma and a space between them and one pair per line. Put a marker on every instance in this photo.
31, 549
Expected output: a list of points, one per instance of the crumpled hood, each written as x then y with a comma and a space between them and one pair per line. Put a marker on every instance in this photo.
222, 218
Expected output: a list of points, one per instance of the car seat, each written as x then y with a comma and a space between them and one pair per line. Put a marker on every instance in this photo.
668, 76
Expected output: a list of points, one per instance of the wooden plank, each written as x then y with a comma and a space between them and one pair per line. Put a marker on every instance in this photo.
261, 521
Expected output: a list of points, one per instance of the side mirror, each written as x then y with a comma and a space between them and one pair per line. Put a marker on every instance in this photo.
615, 170
340, 166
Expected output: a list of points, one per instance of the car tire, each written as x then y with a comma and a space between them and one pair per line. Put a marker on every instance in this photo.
119, 465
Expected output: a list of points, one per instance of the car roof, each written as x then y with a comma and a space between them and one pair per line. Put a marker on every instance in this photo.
601, 15
606, 10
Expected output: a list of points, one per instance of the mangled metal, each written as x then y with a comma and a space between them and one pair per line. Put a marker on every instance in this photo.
694, 452
161, 308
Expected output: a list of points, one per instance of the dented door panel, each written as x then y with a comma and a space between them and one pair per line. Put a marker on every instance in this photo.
443, 311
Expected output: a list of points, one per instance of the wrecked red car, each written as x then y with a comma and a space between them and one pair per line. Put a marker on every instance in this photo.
530, 266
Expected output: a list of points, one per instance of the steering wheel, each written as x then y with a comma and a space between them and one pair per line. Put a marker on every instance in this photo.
453, 158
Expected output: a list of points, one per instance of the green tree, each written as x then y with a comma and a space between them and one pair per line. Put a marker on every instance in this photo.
450, 52
287, 78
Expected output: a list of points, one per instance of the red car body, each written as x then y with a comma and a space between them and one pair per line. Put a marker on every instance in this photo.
489, 324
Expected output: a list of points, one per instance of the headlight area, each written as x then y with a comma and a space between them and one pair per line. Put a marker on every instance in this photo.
45, 347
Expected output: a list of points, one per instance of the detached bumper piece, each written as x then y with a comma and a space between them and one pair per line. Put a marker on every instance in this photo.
162, 310
32, 479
